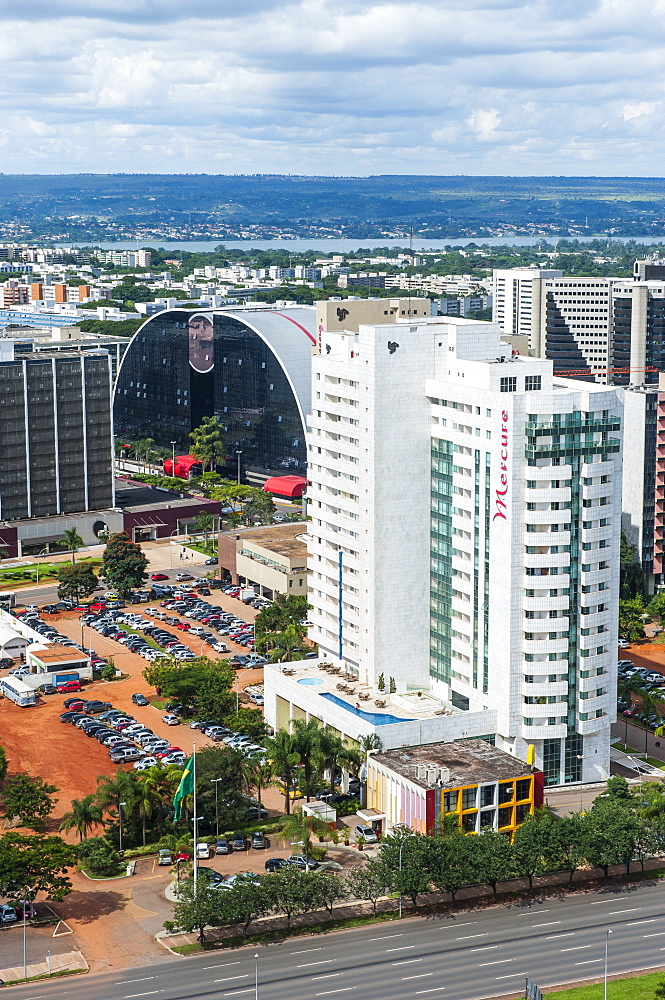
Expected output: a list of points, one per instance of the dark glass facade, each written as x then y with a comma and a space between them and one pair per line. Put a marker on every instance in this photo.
55, 427
174, 374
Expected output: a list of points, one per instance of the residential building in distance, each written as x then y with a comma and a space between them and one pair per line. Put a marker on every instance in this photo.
271, 559
420, 787
467, 503
55, 428
517, 298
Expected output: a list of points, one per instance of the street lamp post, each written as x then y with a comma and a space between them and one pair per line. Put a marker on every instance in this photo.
39, 555
303, 844
215, 782
120, 805
176, 532
607, 939
238, 453
173, 444
256, 976
238, 676
580, 757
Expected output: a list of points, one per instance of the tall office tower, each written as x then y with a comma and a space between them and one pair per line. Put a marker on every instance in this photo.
56, 434
643, 495
464, 534
638, 330
649, 269
575, 324
517, 299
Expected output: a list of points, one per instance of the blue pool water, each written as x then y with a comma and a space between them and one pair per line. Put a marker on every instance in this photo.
376, 718
310, 680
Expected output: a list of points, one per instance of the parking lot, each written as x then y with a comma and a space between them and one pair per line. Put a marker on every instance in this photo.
37, 743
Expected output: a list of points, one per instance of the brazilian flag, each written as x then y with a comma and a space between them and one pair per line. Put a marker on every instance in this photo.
186, 787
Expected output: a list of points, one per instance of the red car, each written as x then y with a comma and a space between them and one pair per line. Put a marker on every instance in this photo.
183, 626
69, 686
158, 576
182, 856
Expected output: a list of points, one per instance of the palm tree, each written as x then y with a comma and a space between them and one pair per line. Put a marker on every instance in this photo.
147, 798
300, 828
286, 645
112, 791
307, 744
71, 540
84, 814
335, 751
285, 760
257, 775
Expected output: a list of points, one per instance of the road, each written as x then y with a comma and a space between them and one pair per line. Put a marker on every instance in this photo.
473, 955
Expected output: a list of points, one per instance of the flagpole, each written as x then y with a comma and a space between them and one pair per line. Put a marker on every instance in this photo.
195, 815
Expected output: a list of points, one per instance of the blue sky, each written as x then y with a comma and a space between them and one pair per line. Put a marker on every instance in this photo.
344, 87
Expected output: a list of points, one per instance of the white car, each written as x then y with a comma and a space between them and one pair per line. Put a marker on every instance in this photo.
171, 720
202, 851
143, 765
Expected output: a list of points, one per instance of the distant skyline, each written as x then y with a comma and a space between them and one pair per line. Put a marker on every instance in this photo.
345, 88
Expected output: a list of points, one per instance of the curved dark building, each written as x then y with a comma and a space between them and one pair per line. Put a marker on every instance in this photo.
250, 368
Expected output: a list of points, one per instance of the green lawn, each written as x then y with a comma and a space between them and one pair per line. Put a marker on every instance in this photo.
13, 575
651, 987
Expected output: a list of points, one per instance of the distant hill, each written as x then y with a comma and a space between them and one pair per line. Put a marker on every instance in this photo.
145, 206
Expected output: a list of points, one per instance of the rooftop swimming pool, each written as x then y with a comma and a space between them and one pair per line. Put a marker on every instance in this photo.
310, 680
376, 718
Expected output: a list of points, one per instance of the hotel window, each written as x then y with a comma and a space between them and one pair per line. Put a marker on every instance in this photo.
509, 384
532, 383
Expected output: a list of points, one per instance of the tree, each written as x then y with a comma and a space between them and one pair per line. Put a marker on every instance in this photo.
32, 864
631, 576
4, 763
307, 744
84, 814
100, 856
197, 907
292, 892
201, 683
248, 899
257, 775
28, 800
393, 686
124, 563
282, 752
205, 523
329, 889
567, 834
451, 859
221, 762
626, 688
208, 443
381, 683
249, 721
493, 858
370, 881
76, 582
286, 645
334, 751
283, 611
535, 847
72, 541
412, 877
631, 623
609, 832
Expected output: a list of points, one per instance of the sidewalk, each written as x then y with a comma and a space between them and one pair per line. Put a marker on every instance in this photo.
69, 961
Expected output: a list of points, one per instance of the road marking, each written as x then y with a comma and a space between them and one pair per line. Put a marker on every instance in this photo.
655, 934
467, 937
437, 989
408, 961
640, 923
344, 989
553, 937
132, 995
549, 923
486, 947
613, 913
225, 965
531, 914
386, 936
305, 952
328, 975
499, 961
589, 961
468, 923
306, 965
403, 947
512, 975
421, 975
602, 902
125, 982
578, 947
237, 992
229, 978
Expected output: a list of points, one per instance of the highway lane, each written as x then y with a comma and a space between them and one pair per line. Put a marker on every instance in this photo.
472, 955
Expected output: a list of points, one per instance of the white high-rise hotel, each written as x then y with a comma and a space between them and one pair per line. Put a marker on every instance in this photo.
464, 537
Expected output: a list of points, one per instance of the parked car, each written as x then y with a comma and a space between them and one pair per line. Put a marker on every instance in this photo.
211, 561
300, 861
202, 851
239, 842
47, 689
362, 830
222, 846
171, 720
259, 842
158, 576
164, 857
140, 699
184, 576
69, 686
25, 906
7, 914
275, 864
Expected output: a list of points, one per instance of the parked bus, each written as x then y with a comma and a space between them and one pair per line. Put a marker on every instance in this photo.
17, 691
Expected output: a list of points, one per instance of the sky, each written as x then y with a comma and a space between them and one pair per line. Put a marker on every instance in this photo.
572, 87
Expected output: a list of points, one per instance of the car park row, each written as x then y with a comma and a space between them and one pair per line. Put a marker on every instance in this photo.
125, 738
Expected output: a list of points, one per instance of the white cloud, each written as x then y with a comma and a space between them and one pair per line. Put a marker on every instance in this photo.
353, 86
